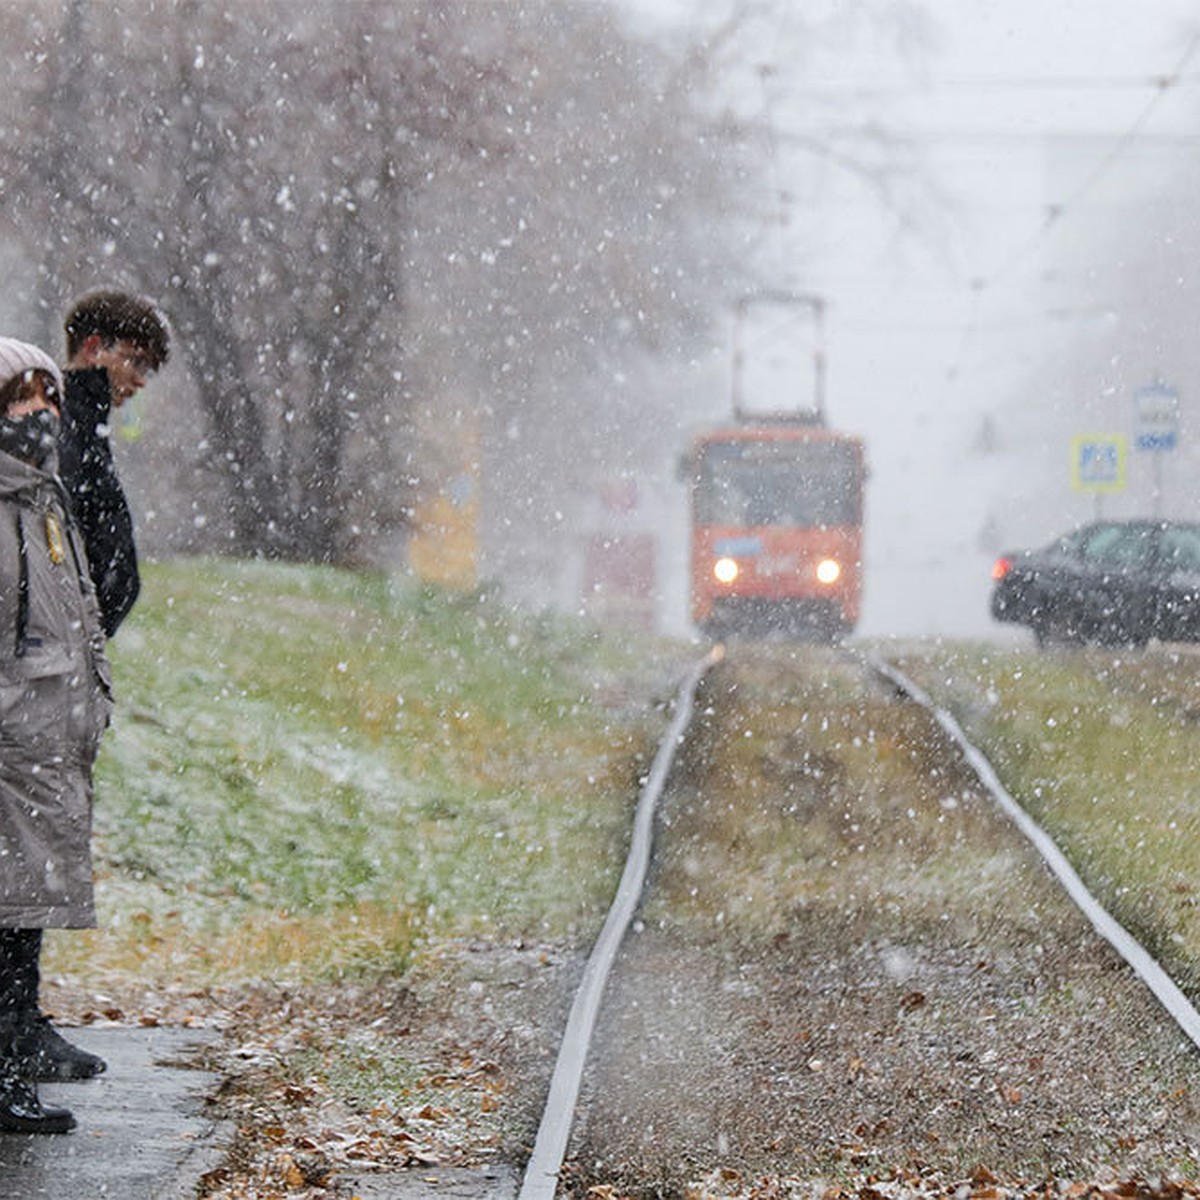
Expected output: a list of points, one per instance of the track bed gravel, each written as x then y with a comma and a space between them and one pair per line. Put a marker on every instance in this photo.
851, 972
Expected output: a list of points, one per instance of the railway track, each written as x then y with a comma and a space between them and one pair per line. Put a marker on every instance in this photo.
854, 957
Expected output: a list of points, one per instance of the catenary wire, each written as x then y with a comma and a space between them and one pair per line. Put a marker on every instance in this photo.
1055, 218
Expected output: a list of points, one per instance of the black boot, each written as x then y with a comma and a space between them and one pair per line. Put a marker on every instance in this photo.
20, 1109
22, 1112
47, 1057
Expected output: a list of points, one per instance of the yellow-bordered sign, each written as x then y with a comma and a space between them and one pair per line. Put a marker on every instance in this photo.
1098, 462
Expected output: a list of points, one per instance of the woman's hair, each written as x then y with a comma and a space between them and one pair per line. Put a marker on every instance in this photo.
21, 387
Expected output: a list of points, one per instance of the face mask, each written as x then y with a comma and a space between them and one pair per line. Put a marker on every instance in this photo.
30, 438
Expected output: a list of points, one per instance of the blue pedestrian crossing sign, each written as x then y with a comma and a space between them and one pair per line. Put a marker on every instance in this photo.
1156, 416
1098, 462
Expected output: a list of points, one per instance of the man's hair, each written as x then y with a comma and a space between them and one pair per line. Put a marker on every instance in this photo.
119, 317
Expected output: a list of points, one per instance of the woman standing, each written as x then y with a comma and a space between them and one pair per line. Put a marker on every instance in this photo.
55, 701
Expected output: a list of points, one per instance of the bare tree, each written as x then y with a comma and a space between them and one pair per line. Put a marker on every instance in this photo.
276, 177
275, 160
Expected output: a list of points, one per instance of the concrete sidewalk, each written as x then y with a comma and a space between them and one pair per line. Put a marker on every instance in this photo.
141, 1134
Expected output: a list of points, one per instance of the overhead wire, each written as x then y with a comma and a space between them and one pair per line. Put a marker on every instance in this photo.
1059, 212
985, 83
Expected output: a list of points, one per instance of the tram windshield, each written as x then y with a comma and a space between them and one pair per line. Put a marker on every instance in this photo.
786, 483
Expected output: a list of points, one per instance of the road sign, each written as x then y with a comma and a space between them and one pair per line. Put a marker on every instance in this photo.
1098, 462
1156, 417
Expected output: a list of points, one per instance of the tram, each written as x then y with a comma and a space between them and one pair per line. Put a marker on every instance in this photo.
776, 524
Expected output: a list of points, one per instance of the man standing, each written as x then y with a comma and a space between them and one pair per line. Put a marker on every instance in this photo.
115, 341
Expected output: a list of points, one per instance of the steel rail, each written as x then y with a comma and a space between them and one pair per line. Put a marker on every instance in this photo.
545, 1163
1164, 988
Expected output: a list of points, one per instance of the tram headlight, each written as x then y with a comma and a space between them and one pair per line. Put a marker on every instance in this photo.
829, 571
726, 570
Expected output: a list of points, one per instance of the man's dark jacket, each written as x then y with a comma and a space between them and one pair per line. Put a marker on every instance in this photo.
85, 465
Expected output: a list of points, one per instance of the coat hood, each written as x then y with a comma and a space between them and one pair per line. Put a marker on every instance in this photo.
16, 358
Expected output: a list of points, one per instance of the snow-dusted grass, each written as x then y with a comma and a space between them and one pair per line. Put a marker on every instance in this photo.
310, 770
1101, 748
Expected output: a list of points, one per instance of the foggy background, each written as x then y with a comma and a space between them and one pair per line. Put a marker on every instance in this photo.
451, 284
997, 202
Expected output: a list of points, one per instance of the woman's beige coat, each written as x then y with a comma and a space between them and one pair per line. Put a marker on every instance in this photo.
55, 701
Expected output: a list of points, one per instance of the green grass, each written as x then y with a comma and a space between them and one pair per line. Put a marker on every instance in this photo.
310, 770
1102, 750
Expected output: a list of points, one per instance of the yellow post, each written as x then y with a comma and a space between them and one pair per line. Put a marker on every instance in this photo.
444, 546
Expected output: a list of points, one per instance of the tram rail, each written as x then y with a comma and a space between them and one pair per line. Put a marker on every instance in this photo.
545, 1166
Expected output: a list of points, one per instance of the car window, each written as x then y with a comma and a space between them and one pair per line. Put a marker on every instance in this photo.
1072, 543
1180, 548
1119, 546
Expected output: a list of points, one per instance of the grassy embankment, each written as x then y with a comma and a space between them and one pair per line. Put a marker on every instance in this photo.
310, 771
1102, 749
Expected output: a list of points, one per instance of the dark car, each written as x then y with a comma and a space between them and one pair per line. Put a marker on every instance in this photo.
1111, 582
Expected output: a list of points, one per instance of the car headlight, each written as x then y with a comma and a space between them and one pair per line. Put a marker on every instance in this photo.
829, 570
725, 570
